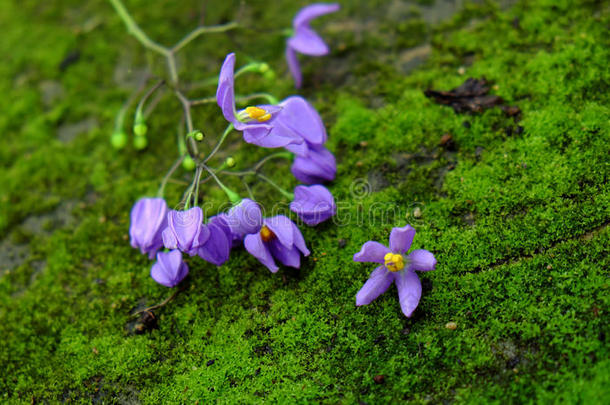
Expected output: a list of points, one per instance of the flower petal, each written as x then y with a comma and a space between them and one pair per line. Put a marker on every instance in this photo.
293, 66
401, 238
371, 252
303, 119
289, 256
306, 14
256, 247
169, 269
422, 260
282, 227
299, 241
409, 291
308, 42
378, 283
217, 248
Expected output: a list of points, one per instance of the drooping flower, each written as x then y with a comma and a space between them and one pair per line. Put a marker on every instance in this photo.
148, 219
305, 40
244, 218
185, 230
256, 122
313, 204
317, 166
396, 266
217, 248
279, 238
169, 269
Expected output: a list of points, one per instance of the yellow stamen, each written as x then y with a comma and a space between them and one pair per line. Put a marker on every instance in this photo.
266, 234
257, 113
394, 261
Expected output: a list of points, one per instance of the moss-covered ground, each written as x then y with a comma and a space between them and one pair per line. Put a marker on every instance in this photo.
516, 211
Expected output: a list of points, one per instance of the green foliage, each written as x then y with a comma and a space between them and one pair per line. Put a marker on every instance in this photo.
517, 219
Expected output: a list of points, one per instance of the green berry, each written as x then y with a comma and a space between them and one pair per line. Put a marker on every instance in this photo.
140, 142
198, 136
140, 129
118, 140
230, 161
188, 163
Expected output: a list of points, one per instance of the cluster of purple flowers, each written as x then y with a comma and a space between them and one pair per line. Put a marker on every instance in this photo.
293, 124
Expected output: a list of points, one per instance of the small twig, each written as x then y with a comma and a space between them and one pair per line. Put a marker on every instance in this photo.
161, 304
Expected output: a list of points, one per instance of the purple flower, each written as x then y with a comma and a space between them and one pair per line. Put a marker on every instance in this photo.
395, 266
305, 40
317, 166
217, 248
185, 230
279, 238
148, 219
256, 122
314, 204
244, 218
169, 270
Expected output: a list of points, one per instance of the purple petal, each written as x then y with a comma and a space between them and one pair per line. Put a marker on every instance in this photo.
306, 14
282, 227
299, 241
313, 204
148, 219
422, 260
187, 229
217, 248
409, 291
225, 94
303, 119
256, 247
379, 281
372, 252
308, 42
276, 136
317, 167
289, 256
169, 270
401, 238
245, 217
169, 239
293, 66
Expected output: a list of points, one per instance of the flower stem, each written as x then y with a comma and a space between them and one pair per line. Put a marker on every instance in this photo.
168, 175
219, 143
203, 30
233, 196
285, 193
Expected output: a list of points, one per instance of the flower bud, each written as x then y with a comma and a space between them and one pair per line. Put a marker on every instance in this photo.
188, 163
230, 162
140, 142
140, 129
118, 140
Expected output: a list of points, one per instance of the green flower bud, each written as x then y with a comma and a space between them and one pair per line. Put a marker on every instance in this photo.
269, 75
230, 162
118, 140
188, 163
140, 129
140, 142
198, 136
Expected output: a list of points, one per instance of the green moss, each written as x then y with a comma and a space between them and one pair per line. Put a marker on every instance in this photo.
517, 220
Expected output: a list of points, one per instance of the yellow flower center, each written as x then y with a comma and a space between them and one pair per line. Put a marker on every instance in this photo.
266, 234
394, 261
257, 113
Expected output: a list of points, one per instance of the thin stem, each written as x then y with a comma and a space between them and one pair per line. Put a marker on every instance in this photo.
248, 189
146, 96
219, 144
186, 106
233, 196
271, 99
197, 180
161, 304
168, 175
284, 155
285, 193
205, 100
135, 30
203, 30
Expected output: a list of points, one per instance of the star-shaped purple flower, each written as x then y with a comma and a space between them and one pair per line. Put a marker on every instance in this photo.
396, 266
217, 248
170, 269
305, 40
279, 238
256, 122
148, 219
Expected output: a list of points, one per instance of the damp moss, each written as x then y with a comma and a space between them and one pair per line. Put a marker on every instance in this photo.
516, 212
